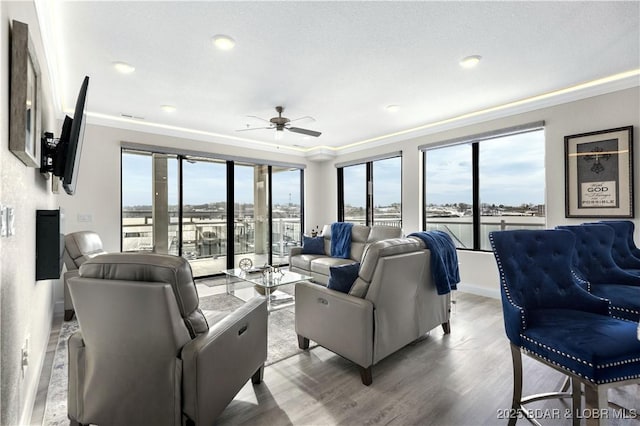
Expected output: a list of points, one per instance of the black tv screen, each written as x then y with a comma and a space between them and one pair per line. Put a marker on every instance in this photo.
71, 139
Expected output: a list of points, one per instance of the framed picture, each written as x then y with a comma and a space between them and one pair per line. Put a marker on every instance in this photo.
24, 114
599, 174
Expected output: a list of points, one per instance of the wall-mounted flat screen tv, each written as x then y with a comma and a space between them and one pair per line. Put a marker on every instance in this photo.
66, 156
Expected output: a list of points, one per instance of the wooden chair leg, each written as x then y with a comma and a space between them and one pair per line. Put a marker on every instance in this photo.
446, 327
258, 376
303, 342
365, 375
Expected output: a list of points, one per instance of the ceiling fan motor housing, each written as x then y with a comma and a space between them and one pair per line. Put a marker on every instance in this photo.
279, 121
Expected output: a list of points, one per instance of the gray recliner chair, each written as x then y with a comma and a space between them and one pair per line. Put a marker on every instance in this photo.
145, 353
78, 248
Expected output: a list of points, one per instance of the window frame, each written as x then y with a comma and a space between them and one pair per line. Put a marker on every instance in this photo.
474, 141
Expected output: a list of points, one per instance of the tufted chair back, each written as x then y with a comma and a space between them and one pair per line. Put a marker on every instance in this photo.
622, 244
535, 274
592, 258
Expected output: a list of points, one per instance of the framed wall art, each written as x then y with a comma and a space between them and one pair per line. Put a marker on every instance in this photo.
24, 114
599, 174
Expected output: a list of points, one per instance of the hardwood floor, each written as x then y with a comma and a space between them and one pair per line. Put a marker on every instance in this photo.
463, 378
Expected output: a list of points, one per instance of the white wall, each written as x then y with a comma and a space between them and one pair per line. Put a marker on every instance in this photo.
478, 271
26, 306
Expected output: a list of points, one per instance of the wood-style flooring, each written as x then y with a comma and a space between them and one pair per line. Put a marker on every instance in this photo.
464, 378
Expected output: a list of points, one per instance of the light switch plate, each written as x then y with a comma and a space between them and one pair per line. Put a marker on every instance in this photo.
11, 223
3, 221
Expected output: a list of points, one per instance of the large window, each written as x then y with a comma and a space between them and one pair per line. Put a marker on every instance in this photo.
286, 213
488, 183
211, 211
370, 193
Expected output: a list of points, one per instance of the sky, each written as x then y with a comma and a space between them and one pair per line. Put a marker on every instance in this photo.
511, 171
204, 182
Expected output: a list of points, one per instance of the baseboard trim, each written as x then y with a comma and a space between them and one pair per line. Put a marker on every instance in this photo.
494, 293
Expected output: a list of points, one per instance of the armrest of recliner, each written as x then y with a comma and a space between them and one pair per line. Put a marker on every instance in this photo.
76, 375
68, 303
335, 320
217, 364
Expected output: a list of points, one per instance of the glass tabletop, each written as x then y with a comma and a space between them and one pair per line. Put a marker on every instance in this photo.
267, 279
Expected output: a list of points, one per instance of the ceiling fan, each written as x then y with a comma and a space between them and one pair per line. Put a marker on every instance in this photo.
281, 123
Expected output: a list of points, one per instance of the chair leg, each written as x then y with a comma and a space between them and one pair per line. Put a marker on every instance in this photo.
596, 402
365, 375
576, 399
68, 314
446, 327
303, 342
516, 356
258, 376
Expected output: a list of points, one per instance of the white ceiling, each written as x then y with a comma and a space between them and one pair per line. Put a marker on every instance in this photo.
339, 62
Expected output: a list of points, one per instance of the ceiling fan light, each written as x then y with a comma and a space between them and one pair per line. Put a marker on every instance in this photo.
223, 42
470, 61
123, 67
279, 134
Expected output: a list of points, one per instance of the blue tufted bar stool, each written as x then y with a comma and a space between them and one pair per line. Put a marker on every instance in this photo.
550, 318
601, 276
623, 245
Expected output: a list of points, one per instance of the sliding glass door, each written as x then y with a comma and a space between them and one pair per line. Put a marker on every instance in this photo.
251, 213
286, 214
204, 215
212, 212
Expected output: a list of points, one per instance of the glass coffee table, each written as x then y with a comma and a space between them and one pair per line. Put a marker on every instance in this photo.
266, 283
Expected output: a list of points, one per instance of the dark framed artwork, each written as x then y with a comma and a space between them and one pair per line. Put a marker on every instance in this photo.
24, 114
599, 174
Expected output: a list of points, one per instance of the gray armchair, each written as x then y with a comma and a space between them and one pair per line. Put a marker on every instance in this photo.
392, 302
78, 248
145, 353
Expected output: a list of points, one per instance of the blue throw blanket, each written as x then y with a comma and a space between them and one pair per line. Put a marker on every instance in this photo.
341, 239
444, 259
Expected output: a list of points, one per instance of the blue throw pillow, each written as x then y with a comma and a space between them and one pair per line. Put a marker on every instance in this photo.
343, 276
312, 245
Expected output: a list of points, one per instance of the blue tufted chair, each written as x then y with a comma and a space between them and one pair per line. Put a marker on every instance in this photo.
623, 245
593, 261
550, 318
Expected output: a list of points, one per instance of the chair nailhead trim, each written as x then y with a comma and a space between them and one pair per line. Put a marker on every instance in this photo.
528, 351
549, 348
611, 364
503, 283
631, 311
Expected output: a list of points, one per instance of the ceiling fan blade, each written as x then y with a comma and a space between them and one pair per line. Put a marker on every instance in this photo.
254, 128
304, 131
259, 118
305, 119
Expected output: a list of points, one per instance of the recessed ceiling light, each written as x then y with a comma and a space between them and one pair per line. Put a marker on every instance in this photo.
168, 108
470, 61
223, 42
393, 108
123, 67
